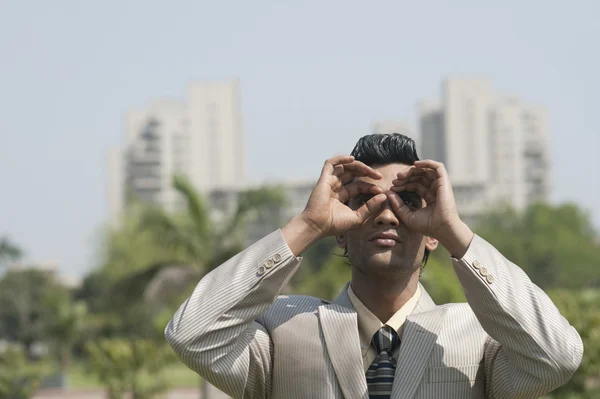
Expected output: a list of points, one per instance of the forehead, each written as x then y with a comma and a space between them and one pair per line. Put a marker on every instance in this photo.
388, 172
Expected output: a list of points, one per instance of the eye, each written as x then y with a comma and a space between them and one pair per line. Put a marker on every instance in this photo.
363, 199
360, 200
411, 199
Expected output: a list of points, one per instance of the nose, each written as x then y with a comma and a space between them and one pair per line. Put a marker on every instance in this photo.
386, 216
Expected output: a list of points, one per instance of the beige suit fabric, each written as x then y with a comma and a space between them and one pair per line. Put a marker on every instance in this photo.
235, 330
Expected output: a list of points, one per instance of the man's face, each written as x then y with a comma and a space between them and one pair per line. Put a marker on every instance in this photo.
382, 244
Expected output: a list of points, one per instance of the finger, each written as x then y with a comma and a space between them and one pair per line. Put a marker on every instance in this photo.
438, 167
331, 163
337, 182
346, 177
428, 193
356, 188
414, 179
444, 185
412, 172
400, 208
370, 207
361, 169
418, 188
338, 170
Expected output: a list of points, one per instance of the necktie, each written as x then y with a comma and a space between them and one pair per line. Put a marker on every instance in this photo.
380, 375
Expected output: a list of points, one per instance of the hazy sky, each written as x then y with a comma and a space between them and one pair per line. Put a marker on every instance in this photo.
314, 75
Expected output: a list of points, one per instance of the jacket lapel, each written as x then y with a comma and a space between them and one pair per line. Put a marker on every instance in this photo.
419, 335
340, 330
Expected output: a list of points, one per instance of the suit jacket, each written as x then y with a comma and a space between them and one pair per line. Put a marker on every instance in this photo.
235, 330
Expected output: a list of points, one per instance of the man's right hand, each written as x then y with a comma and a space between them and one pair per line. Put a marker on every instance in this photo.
326, 213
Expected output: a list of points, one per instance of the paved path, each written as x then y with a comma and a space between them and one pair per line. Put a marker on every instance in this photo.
182, 393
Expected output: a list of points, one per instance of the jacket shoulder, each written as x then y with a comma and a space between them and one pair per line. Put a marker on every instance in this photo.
296, 303
287, 307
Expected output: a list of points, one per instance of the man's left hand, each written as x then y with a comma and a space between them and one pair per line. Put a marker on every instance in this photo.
439, 217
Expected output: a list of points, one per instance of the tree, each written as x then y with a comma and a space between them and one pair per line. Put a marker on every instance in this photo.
439, 279
156, 256
65, 323
9, 251
556, 245
185, 245
23, 316
582, 309
130, 365
17, 380
327, 281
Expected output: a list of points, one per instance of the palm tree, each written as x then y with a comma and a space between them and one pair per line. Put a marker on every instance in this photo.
191, 244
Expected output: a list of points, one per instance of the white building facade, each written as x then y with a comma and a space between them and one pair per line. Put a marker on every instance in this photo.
201, 139
494, 147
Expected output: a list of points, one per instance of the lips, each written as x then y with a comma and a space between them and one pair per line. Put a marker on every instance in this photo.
385, 239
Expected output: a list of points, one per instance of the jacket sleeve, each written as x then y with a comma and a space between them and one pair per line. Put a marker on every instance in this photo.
532, 349
215, 332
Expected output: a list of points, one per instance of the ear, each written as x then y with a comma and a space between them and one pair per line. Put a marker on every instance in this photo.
431, 243
341, 240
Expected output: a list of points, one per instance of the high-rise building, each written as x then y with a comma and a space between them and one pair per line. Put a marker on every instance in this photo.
201, 139
216, 136
493, 146
432, 128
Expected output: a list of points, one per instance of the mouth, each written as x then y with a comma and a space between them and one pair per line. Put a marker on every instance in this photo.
387, 240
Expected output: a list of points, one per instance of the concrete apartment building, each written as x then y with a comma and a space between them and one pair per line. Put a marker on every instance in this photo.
201, 138
493, 145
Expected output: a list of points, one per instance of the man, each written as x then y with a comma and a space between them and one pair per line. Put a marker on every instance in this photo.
383, 337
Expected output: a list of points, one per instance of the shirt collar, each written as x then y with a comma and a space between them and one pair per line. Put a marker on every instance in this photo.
369, 324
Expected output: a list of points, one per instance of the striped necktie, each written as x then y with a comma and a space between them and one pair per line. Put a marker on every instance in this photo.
380, 375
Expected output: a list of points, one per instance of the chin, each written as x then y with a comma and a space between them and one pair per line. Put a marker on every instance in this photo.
386, 261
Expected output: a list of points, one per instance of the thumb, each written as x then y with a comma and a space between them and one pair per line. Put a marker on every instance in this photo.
400, 208
370, 207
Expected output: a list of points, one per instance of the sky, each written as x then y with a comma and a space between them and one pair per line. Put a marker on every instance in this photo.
314, 75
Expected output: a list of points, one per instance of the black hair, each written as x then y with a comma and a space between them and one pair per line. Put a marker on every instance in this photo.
383, 149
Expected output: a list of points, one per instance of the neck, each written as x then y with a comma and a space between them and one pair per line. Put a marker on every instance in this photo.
384, 295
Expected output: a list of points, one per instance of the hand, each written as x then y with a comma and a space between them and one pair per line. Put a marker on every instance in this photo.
326, 211
439, 218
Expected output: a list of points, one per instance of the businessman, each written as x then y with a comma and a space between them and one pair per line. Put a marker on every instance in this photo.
383, 337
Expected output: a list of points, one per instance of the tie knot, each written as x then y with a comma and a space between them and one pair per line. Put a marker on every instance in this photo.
386, 339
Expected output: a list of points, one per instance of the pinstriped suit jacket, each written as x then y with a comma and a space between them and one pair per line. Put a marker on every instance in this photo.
509, 341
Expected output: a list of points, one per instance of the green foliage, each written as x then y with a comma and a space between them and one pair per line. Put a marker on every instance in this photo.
23, 304
134, 365
17, 379
165, 252
65, 324
582, 309
556, 245
9, 251
440, 281
133, 246
325, 282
